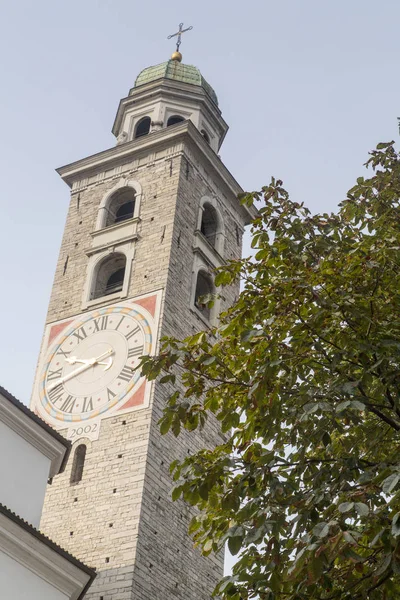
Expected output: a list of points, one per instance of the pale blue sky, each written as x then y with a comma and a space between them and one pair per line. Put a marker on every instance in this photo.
307, 86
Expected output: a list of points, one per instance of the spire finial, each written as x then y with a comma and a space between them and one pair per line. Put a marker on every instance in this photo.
177, 55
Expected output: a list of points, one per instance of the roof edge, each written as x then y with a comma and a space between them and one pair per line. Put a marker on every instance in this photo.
48, 544
48, 448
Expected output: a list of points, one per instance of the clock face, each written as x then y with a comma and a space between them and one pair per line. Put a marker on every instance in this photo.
91, 366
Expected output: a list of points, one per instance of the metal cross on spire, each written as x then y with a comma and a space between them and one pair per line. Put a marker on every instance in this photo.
179, 34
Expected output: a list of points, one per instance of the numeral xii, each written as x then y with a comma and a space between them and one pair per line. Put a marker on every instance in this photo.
100, 323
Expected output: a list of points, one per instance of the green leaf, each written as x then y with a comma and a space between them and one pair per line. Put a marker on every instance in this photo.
357, 405
207, 547
321, 530
315, 568
349, 538
396, 525
222, 278
350, 387
342, 406
235, 544
210, 360
165, 424
176, 493
384, 565
377, 538
168, 378
346, 507
361, 508
390, 483
353, 556
203, 491
230, 502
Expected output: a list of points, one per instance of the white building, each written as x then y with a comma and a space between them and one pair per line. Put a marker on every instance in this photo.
32, 567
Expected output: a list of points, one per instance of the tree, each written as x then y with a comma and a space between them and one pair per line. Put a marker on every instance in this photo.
303, 375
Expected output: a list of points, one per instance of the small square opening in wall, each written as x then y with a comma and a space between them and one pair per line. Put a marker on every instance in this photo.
119, 455
107, 559
114, 490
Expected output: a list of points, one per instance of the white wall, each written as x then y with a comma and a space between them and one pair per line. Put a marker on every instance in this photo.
23, 476
18, 583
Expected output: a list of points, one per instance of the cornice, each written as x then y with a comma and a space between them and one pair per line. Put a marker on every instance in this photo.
183, 132
208, 253
39, 554
37, 433
156, 89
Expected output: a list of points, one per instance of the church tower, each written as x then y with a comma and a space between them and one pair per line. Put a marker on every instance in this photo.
149, 220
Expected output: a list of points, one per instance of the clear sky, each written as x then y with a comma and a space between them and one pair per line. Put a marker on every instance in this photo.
308, 88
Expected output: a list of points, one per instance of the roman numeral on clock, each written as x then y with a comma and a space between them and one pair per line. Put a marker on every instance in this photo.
133, 332
100, 323
110, 395
119, 322
55, 394
80, 334
61, 351
87, 404
137, 351
54, 374
68, 405
126, 374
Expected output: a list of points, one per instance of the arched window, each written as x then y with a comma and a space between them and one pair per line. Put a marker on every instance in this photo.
109, 276
78, 464
115, 282
121, 206
205, 136
143, 127
125, 211
174, 120
203, 292
209, 224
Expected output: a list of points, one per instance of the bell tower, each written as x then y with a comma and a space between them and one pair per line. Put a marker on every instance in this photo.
149, 220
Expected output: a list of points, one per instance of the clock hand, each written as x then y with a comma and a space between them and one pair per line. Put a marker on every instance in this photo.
88, 363
73, 359
107, 363
71, 375
106, 353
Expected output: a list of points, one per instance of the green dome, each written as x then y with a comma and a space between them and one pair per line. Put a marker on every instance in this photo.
172, 69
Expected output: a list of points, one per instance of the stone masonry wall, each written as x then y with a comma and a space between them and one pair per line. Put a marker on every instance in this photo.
120, 517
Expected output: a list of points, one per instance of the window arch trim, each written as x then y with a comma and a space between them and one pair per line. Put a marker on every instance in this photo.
78, 464
220, 229
145, 119
95, 259
176, 119
96, 266
107, 198
206, 136
198, 267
